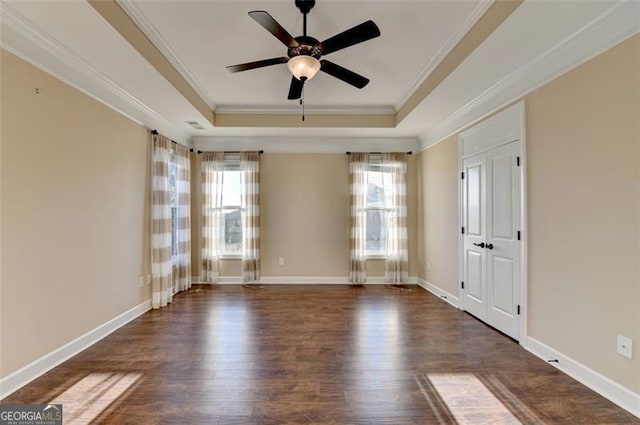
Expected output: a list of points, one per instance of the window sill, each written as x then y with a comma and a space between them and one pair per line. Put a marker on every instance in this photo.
230, 257
376, 257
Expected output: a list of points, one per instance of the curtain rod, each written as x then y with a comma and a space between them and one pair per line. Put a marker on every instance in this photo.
379, 153
260, 151
155, 132
199, 152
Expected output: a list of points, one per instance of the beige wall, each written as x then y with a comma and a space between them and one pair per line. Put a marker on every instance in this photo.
304, 206
305, 217
583, 158
74, 202
437, 215
583, 141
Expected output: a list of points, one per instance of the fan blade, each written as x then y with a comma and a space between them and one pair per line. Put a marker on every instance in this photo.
343, 74
258, 64
271, 25
295, 89
363, 32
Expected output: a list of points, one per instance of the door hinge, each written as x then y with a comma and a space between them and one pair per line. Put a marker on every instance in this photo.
462, 285
462, 175
518, 309
517, 161
463, 230
518, 234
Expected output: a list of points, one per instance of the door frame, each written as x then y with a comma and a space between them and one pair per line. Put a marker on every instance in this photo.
504, 127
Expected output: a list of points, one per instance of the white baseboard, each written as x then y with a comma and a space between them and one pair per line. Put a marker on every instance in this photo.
604, 386
23, 376
302, 280
438, 292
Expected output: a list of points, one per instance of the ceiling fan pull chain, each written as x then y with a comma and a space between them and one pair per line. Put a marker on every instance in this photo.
302, 102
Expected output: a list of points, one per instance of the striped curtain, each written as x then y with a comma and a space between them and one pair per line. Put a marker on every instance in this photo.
212, 219
397, 262
358, 218
250, 199
160, 222
182, 157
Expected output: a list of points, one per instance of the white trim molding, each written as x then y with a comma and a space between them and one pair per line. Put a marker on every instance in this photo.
457, 35
439, 292
301, 280
28, 373
610, 28
305, 144
163, 46
604, 386
27, 41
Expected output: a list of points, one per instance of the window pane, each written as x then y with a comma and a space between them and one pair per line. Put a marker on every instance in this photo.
231, 188
173, 187
375, 189
173, 199
232, 231
376, 232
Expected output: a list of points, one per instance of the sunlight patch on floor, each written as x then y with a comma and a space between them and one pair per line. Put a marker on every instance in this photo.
92, 395
469, 401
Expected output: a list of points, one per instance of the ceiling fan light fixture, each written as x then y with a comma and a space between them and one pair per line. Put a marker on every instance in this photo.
303, 67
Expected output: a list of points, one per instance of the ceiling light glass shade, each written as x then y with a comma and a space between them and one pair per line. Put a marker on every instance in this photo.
303, 66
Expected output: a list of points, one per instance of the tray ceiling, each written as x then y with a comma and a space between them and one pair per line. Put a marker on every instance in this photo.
162, 63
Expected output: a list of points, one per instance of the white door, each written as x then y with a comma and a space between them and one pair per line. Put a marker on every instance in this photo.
474, 225
491, 251
502, 245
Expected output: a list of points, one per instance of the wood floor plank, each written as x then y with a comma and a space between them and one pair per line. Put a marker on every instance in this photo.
313, 355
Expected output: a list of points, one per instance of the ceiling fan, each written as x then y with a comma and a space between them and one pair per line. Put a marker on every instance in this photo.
304, 52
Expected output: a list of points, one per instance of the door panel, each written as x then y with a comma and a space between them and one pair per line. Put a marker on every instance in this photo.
474, 261
502, 181
502, 279
474, 199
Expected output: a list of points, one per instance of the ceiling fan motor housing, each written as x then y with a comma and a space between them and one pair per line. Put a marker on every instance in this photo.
305, 5
307, 46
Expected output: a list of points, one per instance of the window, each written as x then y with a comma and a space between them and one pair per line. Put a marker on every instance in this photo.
173, 199
378, 194
231, 243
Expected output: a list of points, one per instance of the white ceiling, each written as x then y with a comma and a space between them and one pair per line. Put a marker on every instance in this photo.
221, 33
539, 41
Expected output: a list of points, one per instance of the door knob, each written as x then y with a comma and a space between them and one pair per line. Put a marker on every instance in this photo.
481, 244
489, 246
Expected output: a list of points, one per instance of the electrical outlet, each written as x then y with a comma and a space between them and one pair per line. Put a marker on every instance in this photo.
141, 281
624, 346
428, 265
281, 261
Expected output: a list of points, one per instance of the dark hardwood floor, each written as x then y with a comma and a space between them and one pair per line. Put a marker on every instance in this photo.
313, 355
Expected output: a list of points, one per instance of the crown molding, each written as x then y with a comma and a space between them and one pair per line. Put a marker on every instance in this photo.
310, 109
27, 41
493, 17
161, 44
448, 46
305, 144
614, 25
